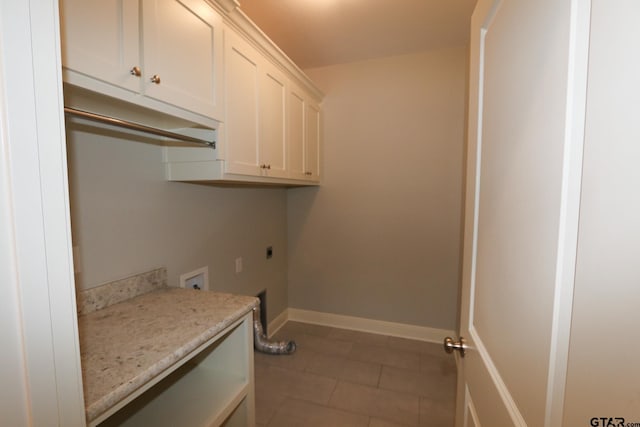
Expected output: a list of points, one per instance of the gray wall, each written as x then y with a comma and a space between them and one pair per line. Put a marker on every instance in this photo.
380, 239
127, 219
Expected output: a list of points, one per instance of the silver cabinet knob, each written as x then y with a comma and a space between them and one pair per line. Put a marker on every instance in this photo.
155, 79
135, 71
450, 345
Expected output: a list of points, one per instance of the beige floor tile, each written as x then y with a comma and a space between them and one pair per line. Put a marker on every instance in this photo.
436, 414
377, 422
359, 337
400, 408
298, 360
290, 383
267, 399
430, 384
337, 375
298, 413
344, 369
267, 403
417, 346
443, 363
324, 345
385, 356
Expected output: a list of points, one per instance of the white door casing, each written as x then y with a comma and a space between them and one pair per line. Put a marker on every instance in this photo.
46, 380
526, 120
603, 377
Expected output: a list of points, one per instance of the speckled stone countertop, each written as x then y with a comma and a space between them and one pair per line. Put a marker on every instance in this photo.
126, 345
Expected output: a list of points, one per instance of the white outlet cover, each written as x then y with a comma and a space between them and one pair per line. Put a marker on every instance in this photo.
199, 277
239, 265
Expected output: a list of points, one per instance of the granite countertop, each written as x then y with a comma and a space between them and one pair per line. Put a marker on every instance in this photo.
126, 345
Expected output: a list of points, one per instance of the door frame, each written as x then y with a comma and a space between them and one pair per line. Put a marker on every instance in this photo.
575, 114
36, 250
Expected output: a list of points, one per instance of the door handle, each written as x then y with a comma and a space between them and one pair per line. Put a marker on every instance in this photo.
450, 345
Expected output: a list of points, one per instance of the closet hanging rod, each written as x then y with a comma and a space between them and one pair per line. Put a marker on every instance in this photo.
136, 126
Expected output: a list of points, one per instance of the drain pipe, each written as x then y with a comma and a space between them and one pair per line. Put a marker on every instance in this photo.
263, 345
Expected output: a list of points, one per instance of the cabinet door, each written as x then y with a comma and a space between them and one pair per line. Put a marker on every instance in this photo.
273, 138
313, 141
241, 97
296, 133
304, 136
100, 40
182, 43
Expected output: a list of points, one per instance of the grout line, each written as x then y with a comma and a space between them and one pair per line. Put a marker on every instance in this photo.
335, 387
347, 410
379, 376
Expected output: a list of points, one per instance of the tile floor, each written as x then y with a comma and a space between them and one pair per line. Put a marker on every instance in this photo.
345, 378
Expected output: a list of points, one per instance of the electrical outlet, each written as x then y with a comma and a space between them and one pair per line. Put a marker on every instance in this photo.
239, 265
196, 279
269, 252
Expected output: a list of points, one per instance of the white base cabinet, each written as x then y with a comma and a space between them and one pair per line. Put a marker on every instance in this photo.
214, 388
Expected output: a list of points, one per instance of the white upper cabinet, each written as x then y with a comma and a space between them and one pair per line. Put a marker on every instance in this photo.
304, 136
255, 123
242, 126
296, 127
146, 51
182, 42
194, 64
312, 142
100, 39
273, 131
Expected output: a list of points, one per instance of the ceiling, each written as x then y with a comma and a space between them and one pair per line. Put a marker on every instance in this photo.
316, 33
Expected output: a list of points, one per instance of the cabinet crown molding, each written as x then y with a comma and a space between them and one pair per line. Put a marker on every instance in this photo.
229, 5
235, 18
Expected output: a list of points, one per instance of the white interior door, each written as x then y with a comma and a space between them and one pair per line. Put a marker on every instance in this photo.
528, 74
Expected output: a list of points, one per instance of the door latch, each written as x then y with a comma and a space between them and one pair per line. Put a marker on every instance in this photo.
450, 345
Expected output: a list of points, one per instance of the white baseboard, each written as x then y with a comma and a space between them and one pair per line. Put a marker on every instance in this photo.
400, 330
277, 323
